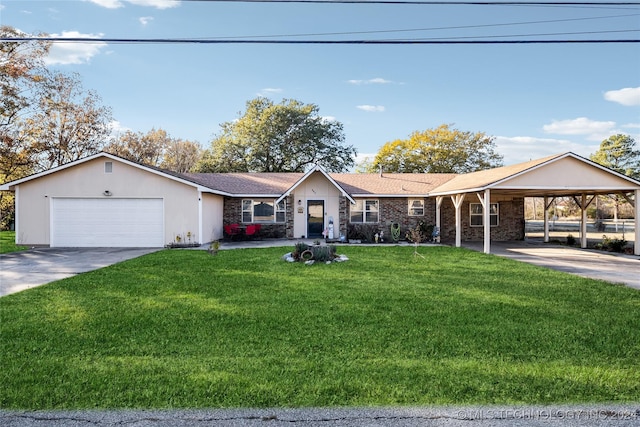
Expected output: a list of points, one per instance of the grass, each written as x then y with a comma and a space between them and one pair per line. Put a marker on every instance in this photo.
8, 242
178, 329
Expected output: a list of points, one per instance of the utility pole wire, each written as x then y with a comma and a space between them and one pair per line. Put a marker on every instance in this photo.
245, 41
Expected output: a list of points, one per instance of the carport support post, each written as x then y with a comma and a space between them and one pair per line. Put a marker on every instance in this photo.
546, 219
636, 244
487, 221
438, 206
457, 202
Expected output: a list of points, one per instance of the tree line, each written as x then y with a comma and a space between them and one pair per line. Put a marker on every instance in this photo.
48, 119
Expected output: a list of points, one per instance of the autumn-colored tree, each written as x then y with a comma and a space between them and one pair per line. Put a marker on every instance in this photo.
69, 123
284, 137
440, 150
21, 69
142, 148
181, 156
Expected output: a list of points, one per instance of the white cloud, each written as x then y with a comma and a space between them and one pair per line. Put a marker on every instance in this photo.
266, 92
144, 20
377, 80
329, 118
109, 4
629, 96
74, 52
159, 4
116, 128
371, 108
593, 130
520, 149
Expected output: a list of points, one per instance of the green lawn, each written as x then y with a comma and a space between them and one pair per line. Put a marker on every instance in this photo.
181, 328
8, 242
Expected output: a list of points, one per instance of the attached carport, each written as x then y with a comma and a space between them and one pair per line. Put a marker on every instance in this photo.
562, 175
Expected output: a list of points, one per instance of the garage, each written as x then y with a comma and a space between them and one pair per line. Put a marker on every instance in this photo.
107, 222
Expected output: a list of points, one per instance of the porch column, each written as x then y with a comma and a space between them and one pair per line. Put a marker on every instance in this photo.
486, 211
457, 202
584, 204
636, 244
439, 200
545, 215
200, 235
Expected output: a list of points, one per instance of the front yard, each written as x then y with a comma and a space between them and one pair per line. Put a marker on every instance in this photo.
184, 329
8, 242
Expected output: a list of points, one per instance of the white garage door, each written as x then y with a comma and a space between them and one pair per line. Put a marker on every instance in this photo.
107, 222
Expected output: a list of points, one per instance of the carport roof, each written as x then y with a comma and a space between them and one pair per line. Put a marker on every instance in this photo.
563, 174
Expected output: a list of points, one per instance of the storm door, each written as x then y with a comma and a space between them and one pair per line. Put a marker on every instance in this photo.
315, 218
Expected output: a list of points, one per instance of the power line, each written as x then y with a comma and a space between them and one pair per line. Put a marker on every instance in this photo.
406, 30
343, 42
428, 2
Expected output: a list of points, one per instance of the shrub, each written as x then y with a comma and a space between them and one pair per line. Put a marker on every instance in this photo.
364, 232
613, 245
571, 241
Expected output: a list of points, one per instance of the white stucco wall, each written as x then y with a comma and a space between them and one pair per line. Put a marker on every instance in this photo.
212, 215
315, 187
90, 180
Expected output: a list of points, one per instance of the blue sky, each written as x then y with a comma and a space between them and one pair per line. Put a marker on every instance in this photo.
535, 99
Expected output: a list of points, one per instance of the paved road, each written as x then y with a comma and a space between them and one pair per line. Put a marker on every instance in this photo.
513, 416
27, 269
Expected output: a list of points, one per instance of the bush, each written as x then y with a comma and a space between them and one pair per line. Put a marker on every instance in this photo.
571, 241
612, 245
364, 232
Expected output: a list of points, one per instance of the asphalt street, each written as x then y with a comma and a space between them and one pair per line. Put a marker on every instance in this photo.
467, 416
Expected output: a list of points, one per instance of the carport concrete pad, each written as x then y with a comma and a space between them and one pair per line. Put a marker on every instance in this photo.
35, 267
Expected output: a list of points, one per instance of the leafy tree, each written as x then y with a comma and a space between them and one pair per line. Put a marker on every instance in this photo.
21, 69
439, 150
284, 137
618, 153
142, 148
69, 123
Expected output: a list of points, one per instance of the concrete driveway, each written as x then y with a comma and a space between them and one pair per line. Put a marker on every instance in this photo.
611, 267
35, 267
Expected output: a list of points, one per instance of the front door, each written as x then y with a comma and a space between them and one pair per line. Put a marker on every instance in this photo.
315, 218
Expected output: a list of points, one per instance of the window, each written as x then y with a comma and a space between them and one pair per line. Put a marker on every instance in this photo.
365, 211
263, 211
108, 167
416, 207
476, 213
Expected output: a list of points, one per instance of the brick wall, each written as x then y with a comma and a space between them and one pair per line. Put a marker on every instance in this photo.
510, 220
396, 210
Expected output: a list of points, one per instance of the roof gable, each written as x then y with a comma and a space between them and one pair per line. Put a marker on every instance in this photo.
566, 172
155, 171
